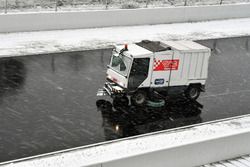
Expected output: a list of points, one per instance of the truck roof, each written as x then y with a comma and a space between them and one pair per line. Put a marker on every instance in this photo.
153, 46
135, 50
148, 47
185, 45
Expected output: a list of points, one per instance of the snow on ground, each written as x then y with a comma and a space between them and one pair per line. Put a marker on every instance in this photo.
27, 43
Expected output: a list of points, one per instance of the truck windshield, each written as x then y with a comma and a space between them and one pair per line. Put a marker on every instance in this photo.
120, 63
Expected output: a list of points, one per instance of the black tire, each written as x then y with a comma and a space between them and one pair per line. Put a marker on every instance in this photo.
193, 92
119, 102
139, 98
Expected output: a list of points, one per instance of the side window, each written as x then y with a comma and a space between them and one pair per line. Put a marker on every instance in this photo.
140, 67
139, 72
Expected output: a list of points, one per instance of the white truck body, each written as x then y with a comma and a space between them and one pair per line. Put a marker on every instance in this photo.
151, 67
187, 63
184, 64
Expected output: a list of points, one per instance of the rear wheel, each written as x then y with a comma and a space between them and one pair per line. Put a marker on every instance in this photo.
139, 98
192, 92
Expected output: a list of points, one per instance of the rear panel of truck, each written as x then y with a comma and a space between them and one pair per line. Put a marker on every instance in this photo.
192, 68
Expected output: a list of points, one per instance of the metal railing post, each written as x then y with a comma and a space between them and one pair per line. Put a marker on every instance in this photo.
147, 2
6, 7
107, 4
172, 3
56, 6
185, 4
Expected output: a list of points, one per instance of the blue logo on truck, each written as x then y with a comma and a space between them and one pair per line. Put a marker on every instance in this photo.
159, 81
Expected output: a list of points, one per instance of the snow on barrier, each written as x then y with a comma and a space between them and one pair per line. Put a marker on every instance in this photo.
16, 22
188, 146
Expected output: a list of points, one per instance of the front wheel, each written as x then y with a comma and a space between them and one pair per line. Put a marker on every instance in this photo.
192, 92
139, 98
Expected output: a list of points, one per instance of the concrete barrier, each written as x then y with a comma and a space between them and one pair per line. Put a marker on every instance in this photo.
188, 146
90, 19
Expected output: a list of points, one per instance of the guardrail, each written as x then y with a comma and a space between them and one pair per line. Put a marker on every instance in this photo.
41, 5
188, 146
105, 18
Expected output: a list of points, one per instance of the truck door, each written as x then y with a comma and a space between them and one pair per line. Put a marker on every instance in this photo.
138, 72
163, 64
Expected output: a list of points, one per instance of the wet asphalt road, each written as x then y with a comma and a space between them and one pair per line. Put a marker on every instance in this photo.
48, 102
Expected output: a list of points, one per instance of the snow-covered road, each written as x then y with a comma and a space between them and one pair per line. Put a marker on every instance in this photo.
27, 43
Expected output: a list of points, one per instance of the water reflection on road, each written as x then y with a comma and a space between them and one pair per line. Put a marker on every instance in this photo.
125, 121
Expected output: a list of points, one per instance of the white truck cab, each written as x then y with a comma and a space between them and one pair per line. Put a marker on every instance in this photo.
165, 68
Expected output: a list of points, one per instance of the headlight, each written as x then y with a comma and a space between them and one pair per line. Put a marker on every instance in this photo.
109, 77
